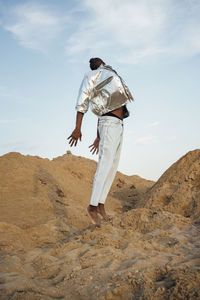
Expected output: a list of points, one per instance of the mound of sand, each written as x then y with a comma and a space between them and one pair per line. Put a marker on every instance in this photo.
178, 189
49, 250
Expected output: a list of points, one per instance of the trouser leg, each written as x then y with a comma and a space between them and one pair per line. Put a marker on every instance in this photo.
111, 174
111, 132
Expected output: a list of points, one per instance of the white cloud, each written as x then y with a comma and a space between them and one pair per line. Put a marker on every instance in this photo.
133, 30
156, 123
171, 138
145, 140
116, 23
35, 26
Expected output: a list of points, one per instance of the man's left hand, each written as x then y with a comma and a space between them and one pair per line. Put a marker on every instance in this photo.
95, 146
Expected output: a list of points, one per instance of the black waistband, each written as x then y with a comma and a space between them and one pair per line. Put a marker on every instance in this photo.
112, 115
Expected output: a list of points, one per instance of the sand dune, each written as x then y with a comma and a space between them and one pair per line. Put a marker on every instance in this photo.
49, 250
178, 189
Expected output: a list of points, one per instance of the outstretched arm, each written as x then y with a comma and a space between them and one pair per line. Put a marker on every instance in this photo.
76, 134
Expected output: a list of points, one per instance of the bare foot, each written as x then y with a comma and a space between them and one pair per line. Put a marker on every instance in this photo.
102, 212
92, 213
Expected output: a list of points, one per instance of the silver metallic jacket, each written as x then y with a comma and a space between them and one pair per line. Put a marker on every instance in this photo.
104, 90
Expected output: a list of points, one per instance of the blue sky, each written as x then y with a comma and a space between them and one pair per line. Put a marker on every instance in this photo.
154, 45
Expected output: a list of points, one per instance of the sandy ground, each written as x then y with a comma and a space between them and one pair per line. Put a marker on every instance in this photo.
49, 249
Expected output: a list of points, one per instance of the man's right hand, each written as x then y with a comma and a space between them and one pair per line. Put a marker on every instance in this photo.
73, 138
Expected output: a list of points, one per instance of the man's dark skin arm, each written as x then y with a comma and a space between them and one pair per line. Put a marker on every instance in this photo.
76, 134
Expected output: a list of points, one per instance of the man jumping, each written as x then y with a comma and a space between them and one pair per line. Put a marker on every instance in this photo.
108, 95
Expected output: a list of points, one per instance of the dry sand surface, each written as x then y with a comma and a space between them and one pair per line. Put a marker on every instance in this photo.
49, 250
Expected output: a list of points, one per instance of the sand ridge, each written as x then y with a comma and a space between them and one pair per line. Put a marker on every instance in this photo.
49, 250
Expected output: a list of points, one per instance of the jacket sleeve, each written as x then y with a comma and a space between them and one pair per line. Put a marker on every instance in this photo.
83, 99
127, 91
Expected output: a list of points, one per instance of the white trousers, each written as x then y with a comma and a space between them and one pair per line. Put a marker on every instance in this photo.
111, 136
